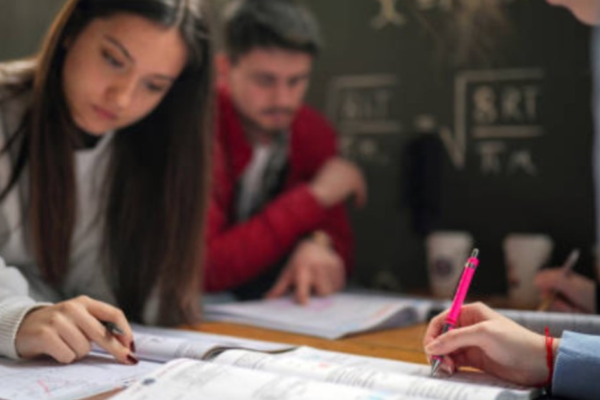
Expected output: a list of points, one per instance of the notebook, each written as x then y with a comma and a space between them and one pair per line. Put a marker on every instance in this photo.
329, 317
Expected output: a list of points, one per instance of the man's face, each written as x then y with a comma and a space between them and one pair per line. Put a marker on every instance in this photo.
267, 86
587, 11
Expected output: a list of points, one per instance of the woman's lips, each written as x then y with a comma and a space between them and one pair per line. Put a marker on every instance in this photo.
103, 113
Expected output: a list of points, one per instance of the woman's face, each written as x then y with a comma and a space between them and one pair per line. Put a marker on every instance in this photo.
587, 11
118, 69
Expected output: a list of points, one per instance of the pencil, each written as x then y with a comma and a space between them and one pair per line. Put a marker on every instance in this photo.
566, 268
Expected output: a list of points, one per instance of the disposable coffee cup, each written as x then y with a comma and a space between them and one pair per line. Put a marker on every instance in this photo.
525, 254
447, 253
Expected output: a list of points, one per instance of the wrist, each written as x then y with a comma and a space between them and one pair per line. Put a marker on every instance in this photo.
320, 194
321, 238
555, 346
551, 348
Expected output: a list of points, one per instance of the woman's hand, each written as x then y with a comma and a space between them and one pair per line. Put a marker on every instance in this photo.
65, 331
488, 341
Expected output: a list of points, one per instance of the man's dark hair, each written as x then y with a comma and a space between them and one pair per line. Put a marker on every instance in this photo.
250, 24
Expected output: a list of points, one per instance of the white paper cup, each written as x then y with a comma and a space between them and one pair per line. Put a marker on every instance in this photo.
447, 253
524, 254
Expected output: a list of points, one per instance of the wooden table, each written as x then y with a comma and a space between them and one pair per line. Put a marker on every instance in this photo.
403, 344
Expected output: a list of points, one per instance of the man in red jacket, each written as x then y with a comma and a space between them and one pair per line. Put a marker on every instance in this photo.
276, 221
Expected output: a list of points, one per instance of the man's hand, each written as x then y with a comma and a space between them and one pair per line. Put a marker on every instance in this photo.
312, 268
337, 181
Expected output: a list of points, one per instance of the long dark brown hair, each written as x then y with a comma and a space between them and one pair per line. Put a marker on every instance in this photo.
157, 177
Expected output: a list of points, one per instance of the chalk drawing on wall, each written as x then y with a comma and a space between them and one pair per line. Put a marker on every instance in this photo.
388, 15
361, 106
495, 109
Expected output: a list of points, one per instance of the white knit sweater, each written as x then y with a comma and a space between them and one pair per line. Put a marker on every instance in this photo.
21, 286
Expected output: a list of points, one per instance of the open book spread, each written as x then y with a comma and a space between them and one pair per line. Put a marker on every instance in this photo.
221, 367
98, 373
177, 364
329, 317
307, 373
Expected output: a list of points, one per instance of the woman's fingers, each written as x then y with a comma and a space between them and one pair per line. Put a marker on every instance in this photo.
54, 346
65, 331
105, 312
72, 337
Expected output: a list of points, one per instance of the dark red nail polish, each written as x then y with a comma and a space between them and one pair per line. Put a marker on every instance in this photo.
132, 346
132, 360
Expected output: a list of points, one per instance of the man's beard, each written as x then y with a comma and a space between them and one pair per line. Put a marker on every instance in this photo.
254, 126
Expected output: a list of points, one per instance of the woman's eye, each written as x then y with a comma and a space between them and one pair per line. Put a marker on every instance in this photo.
155, 88
111, 60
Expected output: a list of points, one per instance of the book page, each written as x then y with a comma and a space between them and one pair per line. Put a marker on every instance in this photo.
330, 317
99, 372
162, 349
48, 379
556, 322
161, 345
419, 384
214, 340
191, 380
400, 367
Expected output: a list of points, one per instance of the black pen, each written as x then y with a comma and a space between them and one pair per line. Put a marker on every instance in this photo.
112, 328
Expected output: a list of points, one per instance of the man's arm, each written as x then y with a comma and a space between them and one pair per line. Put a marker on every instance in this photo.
240, 252
237, 253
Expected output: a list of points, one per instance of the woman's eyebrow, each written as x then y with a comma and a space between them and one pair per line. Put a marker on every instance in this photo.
120, 46
126, 53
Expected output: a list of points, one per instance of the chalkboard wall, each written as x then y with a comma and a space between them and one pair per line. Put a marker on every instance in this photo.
468, 115
465, 115
22, 24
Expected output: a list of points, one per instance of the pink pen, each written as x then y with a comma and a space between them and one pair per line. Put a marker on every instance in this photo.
457, 302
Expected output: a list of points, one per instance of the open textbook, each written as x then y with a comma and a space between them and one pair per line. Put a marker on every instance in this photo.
329, 317
98, 373
224, 368
307, 373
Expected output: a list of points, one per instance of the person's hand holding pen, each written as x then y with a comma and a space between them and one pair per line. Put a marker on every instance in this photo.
564, 290
460, 294
488, 341
65, 331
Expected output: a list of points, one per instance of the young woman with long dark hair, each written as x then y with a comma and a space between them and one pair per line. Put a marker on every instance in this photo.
105, 139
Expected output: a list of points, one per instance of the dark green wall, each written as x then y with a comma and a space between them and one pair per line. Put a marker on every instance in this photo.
472, 122
22, 25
